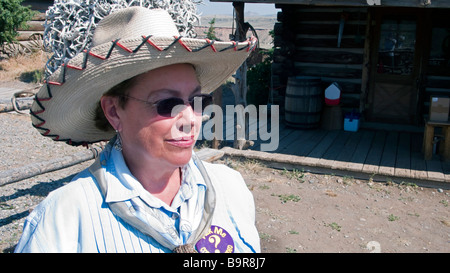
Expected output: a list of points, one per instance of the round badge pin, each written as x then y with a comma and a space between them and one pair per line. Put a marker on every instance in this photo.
217, 240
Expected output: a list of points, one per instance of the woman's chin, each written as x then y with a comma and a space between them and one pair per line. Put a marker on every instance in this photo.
181, 156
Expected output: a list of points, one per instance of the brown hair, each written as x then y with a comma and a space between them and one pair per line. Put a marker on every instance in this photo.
120, 91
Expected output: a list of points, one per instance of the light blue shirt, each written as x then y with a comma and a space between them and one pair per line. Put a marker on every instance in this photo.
76, 217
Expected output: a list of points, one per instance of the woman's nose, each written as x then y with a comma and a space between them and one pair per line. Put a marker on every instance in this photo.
187, 119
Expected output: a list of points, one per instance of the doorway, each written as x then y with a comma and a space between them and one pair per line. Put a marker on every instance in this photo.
395, 66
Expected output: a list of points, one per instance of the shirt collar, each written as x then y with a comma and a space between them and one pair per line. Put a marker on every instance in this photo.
122, 185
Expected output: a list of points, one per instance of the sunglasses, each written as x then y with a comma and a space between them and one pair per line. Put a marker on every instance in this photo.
165, 107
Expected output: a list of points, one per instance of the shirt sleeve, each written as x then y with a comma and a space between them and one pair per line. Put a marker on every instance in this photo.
31, 241
53, 225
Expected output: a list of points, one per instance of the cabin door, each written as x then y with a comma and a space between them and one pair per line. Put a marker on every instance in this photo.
395, 68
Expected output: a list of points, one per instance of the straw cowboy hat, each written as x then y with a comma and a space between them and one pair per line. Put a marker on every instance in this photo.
126, 43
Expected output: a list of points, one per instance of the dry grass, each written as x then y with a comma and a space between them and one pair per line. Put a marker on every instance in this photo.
27, 68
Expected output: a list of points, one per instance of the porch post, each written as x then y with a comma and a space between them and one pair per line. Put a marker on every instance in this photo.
240, 86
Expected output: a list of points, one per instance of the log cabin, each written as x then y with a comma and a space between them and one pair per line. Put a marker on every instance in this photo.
388, 56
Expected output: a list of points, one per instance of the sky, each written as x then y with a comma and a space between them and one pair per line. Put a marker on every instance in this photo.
208, 8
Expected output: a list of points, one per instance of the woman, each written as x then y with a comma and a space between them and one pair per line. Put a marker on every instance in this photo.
140, 85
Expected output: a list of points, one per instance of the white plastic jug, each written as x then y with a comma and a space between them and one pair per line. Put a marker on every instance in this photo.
333, 94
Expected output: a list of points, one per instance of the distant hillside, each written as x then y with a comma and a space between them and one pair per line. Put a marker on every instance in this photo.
257, 21
224, 27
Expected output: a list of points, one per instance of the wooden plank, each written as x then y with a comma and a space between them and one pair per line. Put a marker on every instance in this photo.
434, 169
403, 161
329, 28
315, 155
309, 143
387, 163
209, 155
25, 35
229, 124
252, 124
33, 26
446, 171
292, 139
428, 142
347, 152
328, 70
333, 14
356, 163
376, 151
324, 56
284, 131
328, 41
334, 150
418, 165
315, 48
265, 126
328, 65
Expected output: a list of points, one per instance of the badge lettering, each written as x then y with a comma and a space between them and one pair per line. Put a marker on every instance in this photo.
217, 240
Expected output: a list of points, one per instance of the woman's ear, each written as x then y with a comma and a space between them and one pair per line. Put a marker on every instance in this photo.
110, 106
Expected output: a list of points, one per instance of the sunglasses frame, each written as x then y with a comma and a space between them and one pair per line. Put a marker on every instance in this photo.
166, 113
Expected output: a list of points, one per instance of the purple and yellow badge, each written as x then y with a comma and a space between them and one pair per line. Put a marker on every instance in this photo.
217, 240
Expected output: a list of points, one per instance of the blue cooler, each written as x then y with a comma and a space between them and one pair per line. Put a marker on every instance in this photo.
351, 121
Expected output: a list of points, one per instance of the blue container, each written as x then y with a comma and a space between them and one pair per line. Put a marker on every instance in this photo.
351, 121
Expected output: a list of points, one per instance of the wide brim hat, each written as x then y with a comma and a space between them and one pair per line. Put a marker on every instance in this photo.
125, 44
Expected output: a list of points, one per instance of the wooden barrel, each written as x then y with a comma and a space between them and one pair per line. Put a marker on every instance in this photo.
303, 102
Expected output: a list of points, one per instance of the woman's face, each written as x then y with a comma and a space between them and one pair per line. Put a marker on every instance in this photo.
145, 134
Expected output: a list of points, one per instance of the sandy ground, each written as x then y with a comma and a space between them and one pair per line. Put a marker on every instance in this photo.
303, 212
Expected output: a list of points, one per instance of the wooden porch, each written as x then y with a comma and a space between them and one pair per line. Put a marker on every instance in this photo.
378, 154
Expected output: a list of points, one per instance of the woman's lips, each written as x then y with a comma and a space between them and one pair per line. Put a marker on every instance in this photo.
183, 142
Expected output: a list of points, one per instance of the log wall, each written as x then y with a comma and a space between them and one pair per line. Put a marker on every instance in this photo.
306, 43
36, 25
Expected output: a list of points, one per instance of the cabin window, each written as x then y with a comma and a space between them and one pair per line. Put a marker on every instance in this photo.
396, 48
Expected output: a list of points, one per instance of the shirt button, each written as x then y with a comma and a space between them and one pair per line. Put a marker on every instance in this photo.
175, 216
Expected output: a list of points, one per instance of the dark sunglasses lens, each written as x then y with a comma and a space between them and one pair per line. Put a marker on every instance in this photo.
165, 107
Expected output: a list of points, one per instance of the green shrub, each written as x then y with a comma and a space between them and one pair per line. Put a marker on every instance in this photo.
12, 17
211, 34
258, 80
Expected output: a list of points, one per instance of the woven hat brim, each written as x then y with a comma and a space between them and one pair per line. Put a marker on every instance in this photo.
64, 108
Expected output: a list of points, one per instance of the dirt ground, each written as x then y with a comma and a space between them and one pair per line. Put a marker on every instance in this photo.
298, 212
